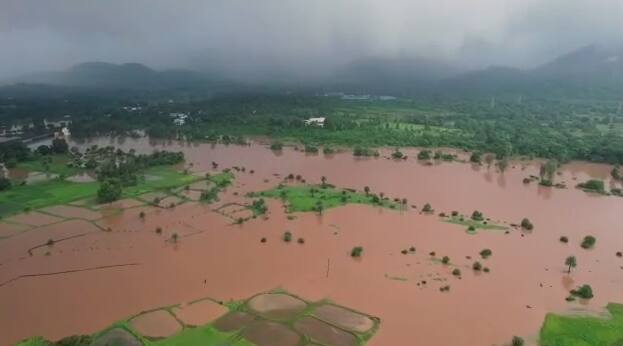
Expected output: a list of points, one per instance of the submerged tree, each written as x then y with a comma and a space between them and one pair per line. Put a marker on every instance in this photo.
571, 262
357, 251
588, 242
526, 224
517, 341
427, 208
547, 171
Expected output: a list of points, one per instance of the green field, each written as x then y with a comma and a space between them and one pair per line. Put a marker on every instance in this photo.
57, 191
305, 198
561, 330
57, 165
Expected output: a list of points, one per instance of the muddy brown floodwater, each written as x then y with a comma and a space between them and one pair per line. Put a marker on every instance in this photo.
95, 277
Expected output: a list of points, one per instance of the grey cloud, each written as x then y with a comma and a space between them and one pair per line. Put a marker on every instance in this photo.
309, 37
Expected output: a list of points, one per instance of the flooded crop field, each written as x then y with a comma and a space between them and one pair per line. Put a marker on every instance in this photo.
79, 267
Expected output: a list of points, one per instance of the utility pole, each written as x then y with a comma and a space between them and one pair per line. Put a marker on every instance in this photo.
328, 266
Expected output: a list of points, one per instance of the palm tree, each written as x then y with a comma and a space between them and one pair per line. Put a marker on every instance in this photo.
571, 262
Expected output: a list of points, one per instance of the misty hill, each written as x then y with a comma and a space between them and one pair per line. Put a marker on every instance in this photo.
401, 76
124, 76
589, 72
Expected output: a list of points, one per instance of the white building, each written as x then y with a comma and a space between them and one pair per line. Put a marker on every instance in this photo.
179, 119
315, 121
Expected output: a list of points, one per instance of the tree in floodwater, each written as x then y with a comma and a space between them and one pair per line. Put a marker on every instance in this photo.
547, 171
517, 341
571, 262
502, 165
489, 160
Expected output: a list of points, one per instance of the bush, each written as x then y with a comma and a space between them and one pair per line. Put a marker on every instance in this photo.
301, 241
310, 148
263, 240
564, 239
456, 272
485, 253
109, 191
158, 230
427, 208
477, 216
276, 146
476, 157
397, 154
287, 237
328, 150
5, 183
445, 260
477, 266
584, 291
357, 251
588, 242
593, 185
361, 151
424, 155
526, 224
517, 341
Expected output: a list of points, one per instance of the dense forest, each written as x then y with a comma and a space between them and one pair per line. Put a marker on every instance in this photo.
560, 129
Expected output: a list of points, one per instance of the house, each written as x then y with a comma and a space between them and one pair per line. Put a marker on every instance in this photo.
179, 119
315, 121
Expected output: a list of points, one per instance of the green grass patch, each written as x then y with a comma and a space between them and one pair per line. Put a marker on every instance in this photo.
57, 165
44, 194
559, 330
206, 335
472, 226
220, 181
305, 198
36, 341
160, 178
57, 191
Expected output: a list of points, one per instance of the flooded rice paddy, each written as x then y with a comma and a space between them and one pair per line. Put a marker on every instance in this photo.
105, 263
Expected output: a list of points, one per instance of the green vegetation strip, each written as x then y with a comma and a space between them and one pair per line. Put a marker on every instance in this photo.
561, 330
57, 191
473, 225
305, 198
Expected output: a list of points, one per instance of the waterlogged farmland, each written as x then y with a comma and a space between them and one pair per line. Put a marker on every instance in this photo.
378, 250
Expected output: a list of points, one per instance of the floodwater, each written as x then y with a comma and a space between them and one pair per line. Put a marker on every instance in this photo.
97, 277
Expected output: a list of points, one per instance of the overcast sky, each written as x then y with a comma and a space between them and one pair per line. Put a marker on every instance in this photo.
243, 36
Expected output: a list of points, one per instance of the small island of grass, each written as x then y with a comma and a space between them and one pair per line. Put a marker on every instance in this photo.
583, 330
473, 224
305, 198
